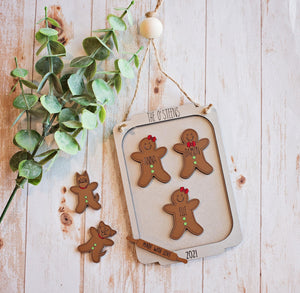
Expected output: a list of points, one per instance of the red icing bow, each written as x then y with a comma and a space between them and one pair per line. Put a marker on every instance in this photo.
100, 236
150, 137
189, 144
185, 190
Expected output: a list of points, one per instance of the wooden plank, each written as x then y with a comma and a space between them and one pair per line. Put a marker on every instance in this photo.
54, 231
17, 20
118, 270
280, 237
233, 86
182, 53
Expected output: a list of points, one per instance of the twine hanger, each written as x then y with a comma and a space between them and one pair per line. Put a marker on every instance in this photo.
151, 14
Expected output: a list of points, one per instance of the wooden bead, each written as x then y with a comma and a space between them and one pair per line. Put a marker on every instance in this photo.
151, 28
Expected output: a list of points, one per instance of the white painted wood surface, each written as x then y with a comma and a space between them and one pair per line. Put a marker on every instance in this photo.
242, 56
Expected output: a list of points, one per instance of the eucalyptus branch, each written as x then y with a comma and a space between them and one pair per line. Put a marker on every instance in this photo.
74, 103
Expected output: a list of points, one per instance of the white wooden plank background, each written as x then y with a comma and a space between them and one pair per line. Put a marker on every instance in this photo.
242, 56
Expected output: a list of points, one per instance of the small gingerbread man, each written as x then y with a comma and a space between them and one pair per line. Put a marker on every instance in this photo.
182, 211
192, 151
150, 159
98, 240
85, 189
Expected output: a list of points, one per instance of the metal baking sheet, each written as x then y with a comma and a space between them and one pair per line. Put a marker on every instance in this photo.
216, 212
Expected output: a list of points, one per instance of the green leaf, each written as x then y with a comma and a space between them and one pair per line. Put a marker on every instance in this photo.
120, 8
76, 84
103, 30
84, 100
67, 114
25, 102
88, 119
57, 48
19, 72
29, 169
42, 66
125, 68
73, 124
64, 82
116, 22
102, 114
38, 111
14, 87
42, 19
27, 139
83, 61
118, 82
46, 153
51, 104
104, 45
136, 61
102, 91
29, 84
115, 40
56, 83
17, 158
90, 71
18, 118
48, 31
48, 158
83, 136
66, 142
42, 38
108, 72
43, 81
42, 47
129, 18
92, 44
36, 180
53, 22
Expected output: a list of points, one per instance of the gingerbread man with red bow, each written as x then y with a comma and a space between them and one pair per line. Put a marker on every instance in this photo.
192, 150
182, 211
150, 159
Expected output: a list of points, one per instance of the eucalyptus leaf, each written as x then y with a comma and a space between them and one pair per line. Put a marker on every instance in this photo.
53, 22
17, 158
27, 139
48, 31
84, 100
104, 45
118, 82
38, 111
43, 81
57, 48
42, 38
67, 114
115, 40
29, 84
90, 71
29, 169
102, 114
19, 72
18, 118
129, 18
88, 119
92, 45
136, 61
46, 153
103, 30
102, 91
36, 180
83, 61
25, 102
42, 66
56, 83
125, 68
73, 124
116, 22
48, 158
42, 47
51, 104
64, 82
66, 142
76, 84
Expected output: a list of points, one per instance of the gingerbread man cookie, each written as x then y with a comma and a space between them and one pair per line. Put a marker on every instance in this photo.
192, 150
182, 211
84, 189
150, 159
98, 240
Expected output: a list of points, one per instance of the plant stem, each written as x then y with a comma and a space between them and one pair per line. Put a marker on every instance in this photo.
9, 201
